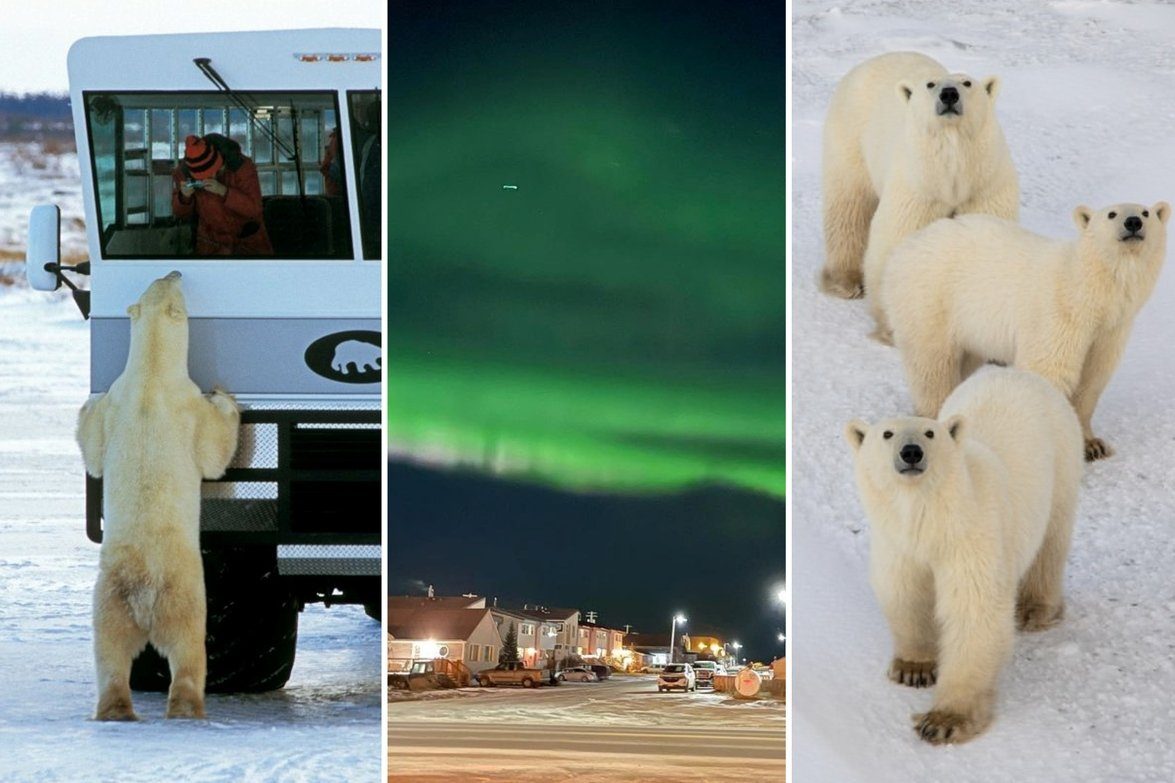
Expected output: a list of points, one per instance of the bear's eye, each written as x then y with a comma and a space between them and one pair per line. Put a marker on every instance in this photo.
930, 434
930, 85
1113, 215
1146, 213
966, 84
887, 434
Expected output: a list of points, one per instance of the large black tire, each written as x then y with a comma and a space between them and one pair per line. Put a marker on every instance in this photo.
252, 626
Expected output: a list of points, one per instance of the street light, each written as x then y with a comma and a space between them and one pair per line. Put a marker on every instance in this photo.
779, 593
677, 618
781, 637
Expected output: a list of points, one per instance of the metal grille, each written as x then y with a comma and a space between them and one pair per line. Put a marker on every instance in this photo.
313, 559
239, 515
332, 426
256, 446
310, 405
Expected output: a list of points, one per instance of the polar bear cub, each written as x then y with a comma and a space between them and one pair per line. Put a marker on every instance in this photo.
970, 517
152, 438
977, 288
906, 143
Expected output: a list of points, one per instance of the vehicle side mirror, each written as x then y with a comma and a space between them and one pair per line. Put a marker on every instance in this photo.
44, 248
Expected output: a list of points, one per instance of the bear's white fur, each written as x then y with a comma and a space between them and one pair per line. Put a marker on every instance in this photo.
893, 164
151, 439
976, 288
976, 542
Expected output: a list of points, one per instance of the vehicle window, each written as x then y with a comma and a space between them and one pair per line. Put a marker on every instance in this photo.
676, 667
205, 174
366, 143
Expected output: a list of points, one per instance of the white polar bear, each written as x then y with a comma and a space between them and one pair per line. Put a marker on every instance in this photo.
906, 143
970, 521
976, 288
151, 439
365, 356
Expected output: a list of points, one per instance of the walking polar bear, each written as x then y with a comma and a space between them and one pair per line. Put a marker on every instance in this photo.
152, 438
970, 517
906, 143
977, 288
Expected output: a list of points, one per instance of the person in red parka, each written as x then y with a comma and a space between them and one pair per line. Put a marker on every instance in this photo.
218, 186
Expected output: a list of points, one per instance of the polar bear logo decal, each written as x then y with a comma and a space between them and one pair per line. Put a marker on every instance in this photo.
347, 357
354, 356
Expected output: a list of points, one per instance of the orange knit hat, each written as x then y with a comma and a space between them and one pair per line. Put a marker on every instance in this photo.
201, 158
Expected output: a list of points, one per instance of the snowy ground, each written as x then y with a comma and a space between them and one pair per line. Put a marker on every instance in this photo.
324, 726
37, 173
617, 730
1088, 103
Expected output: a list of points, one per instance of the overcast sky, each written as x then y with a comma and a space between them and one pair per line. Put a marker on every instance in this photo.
37, 36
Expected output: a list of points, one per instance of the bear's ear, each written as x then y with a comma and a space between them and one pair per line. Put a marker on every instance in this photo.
133, 312
1081, 216
855, 433
1162, 211
955, 427
905, 91
992, 85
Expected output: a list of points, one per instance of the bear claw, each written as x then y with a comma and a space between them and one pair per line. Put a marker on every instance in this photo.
843, 286
915, 674
1096, 448
1038, 616
940, 727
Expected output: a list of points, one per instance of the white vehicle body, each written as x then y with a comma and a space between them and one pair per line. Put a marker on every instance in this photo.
578, 674
705, 671
677, 676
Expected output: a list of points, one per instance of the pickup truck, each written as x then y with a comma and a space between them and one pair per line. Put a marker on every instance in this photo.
511, 673
705, 671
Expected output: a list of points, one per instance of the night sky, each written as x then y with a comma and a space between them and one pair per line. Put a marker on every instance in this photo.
602, 343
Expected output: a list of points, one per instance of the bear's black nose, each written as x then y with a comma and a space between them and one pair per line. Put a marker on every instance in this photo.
1133, 223
911, 453
949, 96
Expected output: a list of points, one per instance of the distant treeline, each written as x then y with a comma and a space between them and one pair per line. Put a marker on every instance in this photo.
35, 115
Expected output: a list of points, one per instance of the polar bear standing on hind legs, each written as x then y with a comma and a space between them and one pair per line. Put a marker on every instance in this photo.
970, 517
906, 143
152, 438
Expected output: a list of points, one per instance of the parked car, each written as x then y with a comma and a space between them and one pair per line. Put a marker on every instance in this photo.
603, 671
511, 673
577, 674
677, 675
705, 671
655, 668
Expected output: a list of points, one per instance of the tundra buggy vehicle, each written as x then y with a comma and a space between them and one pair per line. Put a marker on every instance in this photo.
290, 326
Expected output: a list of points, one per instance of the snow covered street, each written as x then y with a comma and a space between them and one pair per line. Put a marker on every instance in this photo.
1087, 104
324, 726
618, 729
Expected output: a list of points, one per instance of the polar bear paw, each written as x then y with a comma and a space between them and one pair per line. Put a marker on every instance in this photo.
846, 285
916, 674
1038, 616
115, 708
1096, 448
943, 727
882, 334
223, 400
